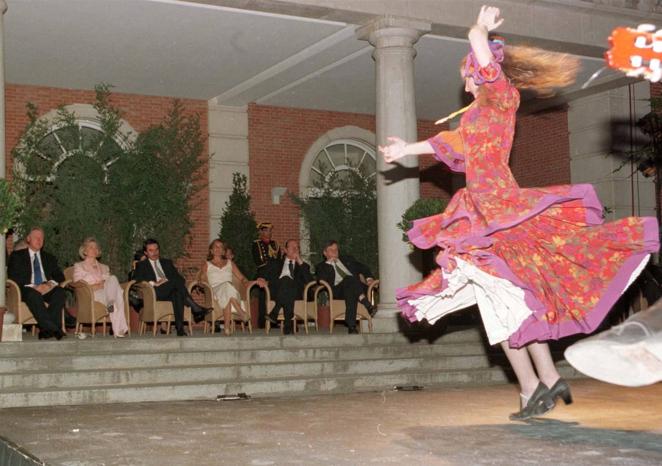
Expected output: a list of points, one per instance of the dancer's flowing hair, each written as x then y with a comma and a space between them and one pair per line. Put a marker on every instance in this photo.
536, 69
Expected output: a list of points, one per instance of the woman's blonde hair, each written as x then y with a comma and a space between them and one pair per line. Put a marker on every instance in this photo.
538, 70
86, 243
210, 255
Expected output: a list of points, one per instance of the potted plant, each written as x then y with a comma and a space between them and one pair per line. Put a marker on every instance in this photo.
423, 207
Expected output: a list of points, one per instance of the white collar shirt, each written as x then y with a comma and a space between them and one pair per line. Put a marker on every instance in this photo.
337, 264
285, 271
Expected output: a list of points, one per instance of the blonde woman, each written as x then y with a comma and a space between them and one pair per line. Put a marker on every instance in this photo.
107, 289
220, 270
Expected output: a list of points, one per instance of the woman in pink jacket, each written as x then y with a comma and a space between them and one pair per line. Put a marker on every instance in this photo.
107, 289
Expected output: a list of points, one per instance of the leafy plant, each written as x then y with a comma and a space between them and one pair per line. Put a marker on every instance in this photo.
238, 227
343, 208
80, 180
9, 206
423, 207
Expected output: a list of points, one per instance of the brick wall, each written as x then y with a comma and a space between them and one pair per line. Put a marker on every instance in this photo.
541, 149
279, 139
140, 112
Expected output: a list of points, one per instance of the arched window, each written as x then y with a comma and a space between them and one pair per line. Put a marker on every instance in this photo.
342, 159
78, 139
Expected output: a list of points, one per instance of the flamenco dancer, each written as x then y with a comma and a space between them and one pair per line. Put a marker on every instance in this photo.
540, 263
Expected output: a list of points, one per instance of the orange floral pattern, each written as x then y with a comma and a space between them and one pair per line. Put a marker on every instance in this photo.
552, 242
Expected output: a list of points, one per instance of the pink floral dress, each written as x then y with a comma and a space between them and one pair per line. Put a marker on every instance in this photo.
540, 263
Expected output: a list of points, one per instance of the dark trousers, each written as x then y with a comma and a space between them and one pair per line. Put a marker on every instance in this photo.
176, 293
349, 289
284, 293
48, 318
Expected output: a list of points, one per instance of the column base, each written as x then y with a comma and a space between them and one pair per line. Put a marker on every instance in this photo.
387, 318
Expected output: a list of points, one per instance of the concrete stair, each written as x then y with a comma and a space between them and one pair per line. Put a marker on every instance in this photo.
103, 370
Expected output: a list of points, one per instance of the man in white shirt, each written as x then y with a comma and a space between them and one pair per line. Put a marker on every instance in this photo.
168, 283
287, 278
38, 275
343, 274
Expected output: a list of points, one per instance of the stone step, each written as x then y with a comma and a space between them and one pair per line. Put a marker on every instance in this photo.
124, 360
267, 387
238, 371
257, 341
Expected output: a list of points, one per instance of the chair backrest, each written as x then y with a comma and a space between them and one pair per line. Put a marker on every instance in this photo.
69, 274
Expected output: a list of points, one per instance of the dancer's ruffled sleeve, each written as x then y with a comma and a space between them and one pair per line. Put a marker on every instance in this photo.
495, 90
449, 149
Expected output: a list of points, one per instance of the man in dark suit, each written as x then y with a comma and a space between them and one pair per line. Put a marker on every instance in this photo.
287, 278
38, 275
264, 250
342, 273
168, 284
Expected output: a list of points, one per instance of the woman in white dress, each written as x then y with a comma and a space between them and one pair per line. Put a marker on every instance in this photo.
220, 272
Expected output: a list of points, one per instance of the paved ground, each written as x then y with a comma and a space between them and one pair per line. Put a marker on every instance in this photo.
606, 425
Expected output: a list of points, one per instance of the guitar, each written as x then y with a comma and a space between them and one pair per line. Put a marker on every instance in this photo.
637, 52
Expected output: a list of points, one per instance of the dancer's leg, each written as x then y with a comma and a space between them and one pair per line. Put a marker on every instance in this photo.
521, 363
544, 364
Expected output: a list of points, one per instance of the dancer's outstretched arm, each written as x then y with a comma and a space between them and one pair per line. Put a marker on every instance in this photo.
488, 20
397, 148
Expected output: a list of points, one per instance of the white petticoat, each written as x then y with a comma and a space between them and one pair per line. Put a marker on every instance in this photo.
501, 303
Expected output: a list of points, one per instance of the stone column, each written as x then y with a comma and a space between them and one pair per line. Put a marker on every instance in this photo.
228, 144
3, 273
397, 185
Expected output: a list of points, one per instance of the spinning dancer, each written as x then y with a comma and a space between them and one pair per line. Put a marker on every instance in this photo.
540, 263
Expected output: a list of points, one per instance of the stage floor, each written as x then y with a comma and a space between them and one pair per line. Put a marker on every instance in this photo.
467, 426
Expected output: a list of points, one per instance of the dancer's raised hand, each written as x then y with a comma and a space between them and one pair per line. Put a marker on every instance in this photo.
394, 150
489, 17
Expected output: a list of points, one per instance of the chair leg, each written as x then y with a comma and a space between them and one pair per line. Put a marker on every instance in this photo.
154, 324
190, 328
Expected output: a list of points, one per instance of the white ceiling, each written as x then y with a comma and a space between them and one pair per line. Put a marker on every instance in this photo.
168, 48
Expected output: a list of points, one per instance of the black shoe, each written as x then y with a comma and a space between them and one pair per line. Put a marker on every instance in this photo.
181, 332
274, 323
539, 403
372, 310
199, 316
45, 334
352, 330
561, 389
198, 311
59, 334
288, 330
69, 320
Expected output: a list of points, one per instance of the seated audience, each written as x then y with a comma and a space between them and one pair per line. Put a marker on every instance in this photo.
168, 283
287, 278
342, 273
38, 276
107, 289
220, 270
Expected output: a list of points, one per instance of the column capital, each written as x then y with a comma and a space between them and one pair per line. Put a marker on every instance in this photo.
393, 31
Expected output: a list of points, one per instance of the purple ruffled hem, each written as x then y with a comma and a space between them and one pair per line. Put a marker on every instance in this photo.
537, 329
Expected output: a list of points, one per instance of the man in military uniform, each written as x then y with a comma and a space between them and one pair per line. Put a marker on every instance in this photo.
264, 251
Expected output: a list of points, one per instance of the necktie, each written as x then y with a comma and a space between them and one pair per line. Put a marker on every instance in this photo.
339, 271
291, 266
159, 273
38, 277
